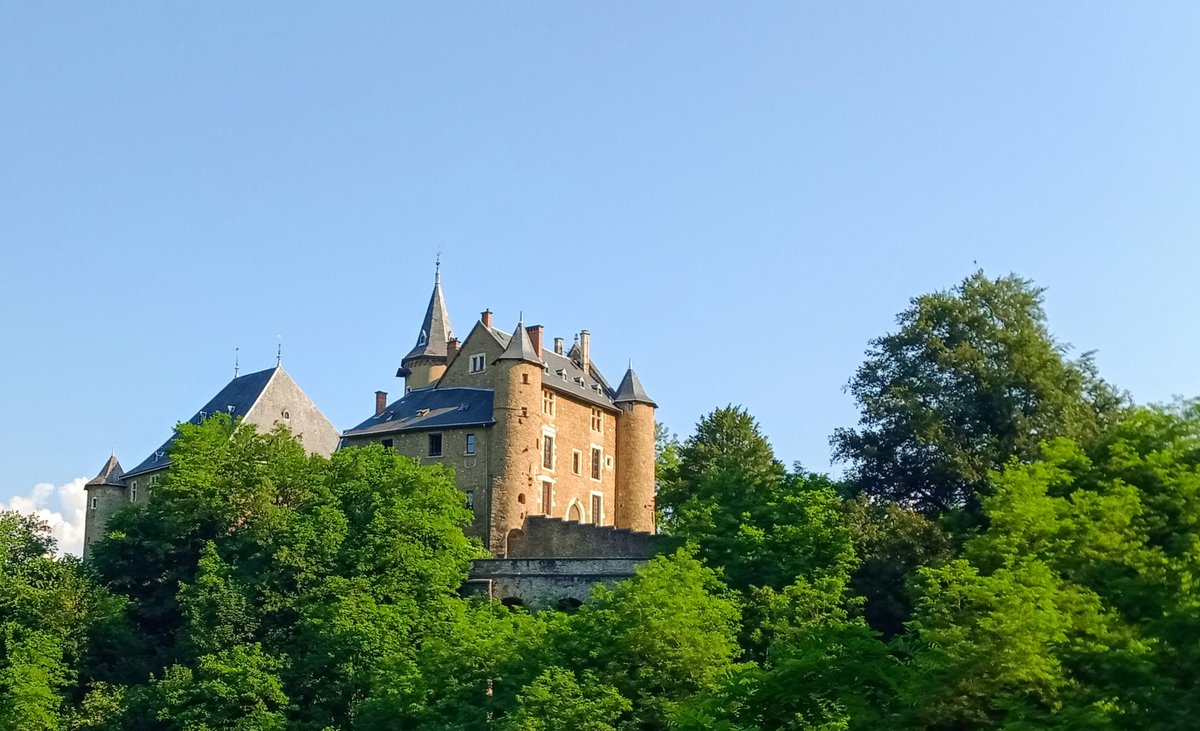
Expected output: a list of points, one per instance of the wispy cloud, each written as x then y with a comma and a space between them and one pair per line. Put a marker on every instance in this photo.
64, 507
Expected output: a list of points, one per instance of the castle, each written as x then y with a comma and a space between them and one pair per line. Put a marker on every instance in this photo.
554, 463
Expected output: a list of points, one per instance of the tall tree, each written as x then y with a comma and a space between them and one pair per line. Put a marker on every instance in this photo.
971, 378
748, 516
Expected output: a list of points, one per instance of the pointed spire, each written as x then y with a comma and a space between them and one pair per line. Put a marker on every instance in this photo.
435, 328
520, 347
110, 474
630, 391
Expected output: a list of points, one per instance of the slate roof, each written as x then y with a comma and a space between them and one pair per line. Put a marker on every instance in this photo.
563, 374
110, 474
431, 408
236, 399
631, 391
435, 328
520, 347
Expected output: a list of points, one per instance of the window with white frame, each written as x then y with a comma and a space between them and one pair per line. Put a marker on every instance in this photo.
470, 444
597, 420
133, 491
547, 497
478, 363
598, 508
597, 456
548, 405
95, 502
548, 451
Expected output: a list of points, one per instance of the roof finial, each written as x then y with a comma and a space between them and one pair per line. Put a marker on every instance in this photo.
437, 267
279, 352
236, 361
631, 364
521, 317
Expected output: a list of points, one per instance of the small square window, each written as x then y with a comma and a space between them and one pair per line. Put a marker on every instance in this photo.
435, 445
470, 444
478, 363
388, 443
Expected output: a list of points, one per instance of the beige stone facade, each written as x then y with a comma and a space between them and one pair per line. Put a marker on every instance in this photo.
553, 438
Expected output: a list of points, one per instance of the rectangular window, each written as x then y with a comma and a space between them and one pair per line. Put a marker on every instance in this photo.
478, 363
94, 503
470, 503
435, 445
133, 492
596, 456
548, 405
597, 420
548, 451
388, 443
597, 508
470, 444
547, 497
576, 461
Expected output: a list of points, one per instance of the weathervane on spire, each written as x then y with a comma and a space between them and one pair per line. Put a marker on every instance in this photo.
235, 363
437, 267
279, 352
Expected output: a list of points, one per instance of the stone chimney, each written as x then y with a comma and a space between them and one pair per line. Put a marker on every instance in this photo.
451, 349
585, 350
486, 318
558, 345
535, 338
380, 402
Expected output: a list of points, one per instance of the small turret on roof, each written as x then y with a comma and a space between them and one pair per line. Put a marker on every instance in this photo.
631, 392
110, 474
435, 328
520, 347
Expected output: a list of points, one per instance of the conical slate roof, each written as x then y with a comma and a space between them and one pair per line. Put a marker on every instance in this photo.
631, 391
110, 474
435, 328
520, 347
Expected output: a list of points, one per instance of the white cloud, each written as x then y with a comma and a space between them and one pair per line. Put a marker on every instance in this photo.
64, 507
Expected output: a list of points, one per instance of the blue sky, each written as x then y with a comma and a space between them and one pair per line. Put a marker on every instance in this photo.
736, 196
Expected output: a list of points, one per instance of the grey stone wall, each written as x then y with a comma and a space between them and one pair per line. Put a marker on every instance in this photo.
544, 582
542, 536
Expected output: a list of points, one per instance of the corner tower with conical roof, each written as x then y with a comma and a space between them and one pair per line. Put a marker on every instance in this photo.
427, 360
635, 450
106, 494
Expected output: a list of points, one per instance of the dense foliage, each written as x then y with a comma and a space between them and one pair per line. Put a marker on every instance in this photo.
1026, 559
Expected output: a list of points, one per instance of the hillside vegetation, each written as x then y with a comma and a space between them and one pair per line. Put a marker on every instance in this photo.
1013, 545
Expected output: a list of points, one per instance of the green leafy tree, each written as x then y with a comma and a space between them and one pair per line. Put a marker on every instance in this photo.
1076, 608
891, 542
557, 701
659, 638
971, 378
237, 689
747, 515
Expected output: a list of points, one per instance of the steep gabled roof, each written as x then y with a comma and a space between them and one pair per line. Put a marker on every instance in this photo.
110, 475
431, 408
563, 373
435, 328
236, 399
631, 391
